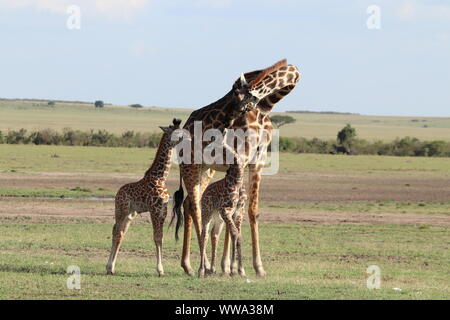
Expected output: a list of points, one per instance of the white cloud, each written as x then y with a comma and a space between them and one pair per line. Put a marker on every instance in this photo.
110, 8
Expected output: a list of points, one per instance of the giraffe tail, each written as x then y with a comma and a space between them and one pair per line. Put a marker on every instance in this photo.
178, 198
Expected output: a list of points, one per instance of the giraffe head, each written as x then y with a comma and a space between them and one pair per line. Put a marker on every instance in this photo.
245, 100
172, 133
270, 83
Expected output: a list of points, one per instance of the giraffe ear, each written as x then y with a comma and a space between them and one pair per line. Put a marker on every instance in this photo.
165, 129
176, 122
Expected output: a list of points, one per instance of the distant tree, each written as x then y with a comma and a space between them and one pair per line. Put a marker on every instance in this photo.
136, 105
99, 104
51, 103
281, 120
346, 136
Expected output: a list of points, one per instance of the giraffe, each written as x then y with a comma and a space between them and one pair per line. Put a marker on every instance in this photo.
146, 195
268, 87
223, 201
215, 234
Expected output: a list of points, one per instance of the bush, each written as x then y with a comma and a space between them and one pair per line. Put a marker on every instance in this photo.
400, 147
46, 136
16, 137
99, 104
136, 105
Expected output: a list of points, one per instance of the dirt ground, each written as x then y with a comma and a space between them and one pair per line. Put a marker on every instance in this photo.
36, 207
289, 189
284, 187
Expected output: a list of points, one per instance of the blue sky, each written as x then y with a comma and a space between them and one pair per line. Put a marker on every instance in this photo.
188, 53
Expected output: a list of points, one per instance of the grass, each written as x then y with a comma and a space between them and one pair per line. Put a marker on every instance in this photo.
76, 192
385, 128
302, 261
31, 158
38, 115
440, 208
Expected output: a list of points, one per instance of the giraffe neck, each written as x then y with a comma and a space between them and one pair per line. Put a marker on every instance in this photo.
235, 174
266, 105
219, 114
160, 167
276, 86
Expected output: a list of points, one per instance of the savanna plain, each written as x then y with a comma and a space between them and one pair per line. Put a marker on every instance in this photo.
324, 218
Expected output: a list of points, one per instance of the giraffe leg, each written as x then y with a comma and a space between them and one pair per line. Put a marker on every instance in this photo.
226, 264
215, 234
195, 218
185, 259
226, 215
158, 216
238, 223
195, 182
203, 241
123, 220
255, 179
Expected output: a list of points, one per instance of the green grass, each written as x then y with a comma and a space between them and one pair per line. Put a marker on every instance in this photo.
302, 261
31, 158
440, 208
76, 192
374, 165
117, 119
368, 127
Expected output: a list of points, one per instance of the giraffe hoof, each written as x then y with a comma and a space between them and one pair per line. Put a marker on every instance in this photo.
190, 273
188, 270
210, 271
109, 273
261, 273
161, 274
201, 273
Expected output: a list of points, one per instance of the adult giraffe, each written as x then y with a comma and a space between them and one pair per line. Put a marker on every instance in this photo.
268, 87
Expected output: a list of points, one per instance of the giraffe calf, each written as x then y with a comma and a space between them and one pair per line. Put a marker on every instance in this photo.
224, 201
146, 195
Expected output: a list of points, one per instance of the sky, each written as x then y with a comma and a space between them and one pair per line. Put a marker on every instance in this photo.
187, 53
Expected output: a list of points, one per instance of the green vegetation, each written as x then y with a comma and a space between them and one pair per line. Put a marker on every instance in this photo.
34, 115
405, 147
346, 138
280, 120
302, 261
99, 104
31, 158
70, 137
75, 192
439, 208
